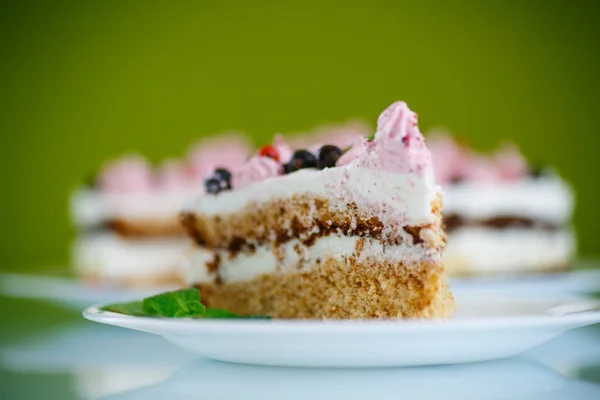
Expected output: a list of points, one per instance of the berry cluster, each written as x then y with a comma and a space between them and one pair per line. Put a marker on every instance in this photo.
325, 157
220, 180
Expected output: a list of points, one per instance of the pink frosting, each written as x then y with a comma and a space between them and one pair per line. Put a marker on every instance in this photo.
353, 153
128, 175
481, 170
285, 153
398, 145
453, 161
177, 175
511, 162
255, 169
450, 159
226, 151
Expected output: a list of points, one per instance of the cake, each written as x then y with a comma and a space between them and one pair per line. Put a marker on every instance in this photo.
502, 216
340, 233
127, 219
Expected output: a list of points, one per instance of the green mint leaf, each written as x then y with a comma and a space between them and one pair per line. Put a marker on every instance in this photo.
195, 307
179, 304
132, 308
184, 303
181, 314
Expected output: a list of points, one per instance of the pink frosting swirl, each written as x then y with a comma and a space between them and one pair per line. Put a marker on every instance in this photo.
482, 170
398, 145
127, 175
255, 169
177, 175
511, 163
285, 153
453, 161
353, 153
226, 151
450, 159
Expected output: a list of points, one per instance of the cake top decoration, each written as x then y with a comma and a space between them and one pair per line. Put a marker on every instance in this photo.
398, 145
129, 174
256, 169
455, 162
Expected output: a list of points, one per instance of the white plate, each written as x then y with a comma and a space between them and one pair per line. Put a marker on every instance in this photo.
70, 292
485, 328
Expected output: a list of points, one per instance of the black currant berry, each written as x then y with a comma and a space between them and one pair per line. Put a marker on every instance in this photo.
538, 171
212, 186
301, 159
222, 174
224, 178
327, 156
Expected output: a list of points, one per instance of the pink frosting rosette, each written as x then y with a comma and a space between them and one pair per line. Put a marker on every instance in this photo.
450, 159
175, 175
255, 169
352, 153
481, 169
129, 175
226, 151
511, 163
398, 145
284, 151
453, 161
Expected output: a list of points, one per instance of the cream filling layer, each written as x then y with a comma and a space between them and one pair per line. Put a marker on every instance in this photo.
295, 257
396, 198
546, 199
480, 250
110, 256
92, 207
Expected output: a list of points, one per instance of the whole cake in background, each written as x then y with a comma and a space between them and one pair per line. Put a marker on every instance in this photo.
502, 216
128, 220
326, 233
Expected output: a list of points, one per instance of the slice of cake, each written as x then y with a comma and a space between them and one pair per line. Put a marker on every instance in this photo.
355, 234
128, 219
502, 216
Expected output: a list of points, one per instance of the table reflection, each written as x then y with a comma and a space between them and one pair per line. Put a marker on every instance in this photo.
97, 361
512, 378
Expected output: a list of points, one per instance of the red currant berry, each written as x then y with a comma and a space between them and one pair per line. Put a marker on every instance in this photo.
269, 151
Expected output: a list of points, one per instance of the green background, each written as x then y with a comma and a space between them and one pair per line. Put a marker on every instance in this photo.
85, 80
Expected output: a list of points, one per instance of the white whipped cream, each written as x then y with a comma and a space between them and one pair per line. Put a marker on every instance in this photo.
483, 250
408, 196
92, 207
246, 266
110, 256
546, 199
